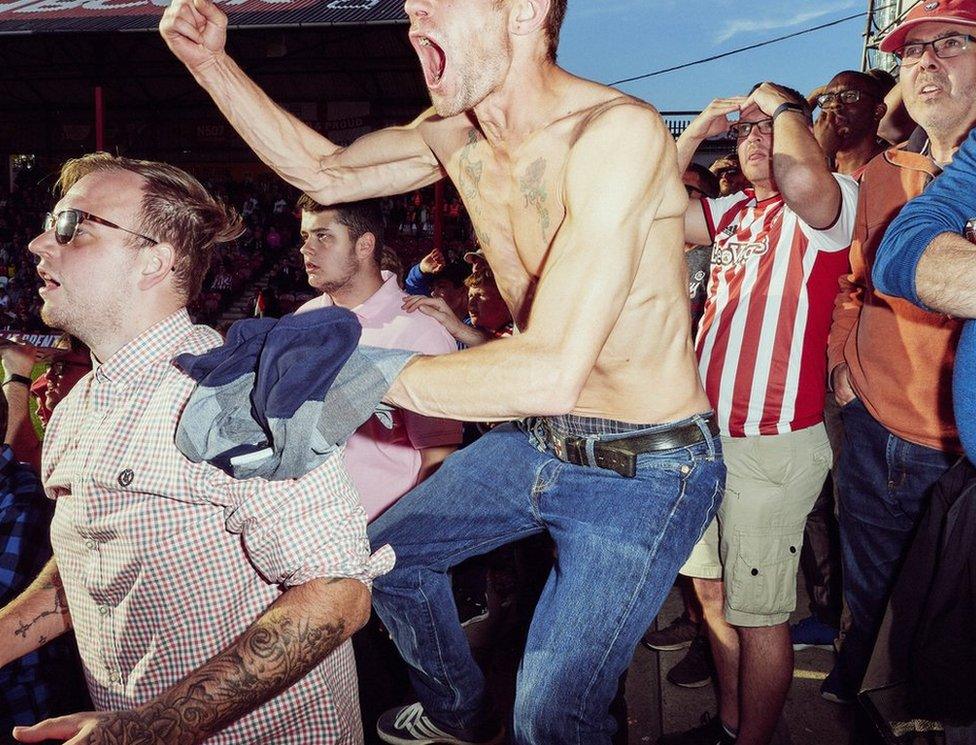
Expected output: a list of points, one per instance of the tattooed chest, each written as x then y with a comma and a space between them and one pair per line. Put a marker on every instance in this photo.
515, 207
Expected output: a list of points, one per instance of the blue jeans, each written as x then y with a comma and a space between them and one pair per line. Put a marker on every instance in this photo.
883, 483
619, 542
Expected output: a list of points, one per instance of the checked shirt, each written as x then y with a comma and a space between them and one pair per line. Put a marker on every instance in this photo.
166, 562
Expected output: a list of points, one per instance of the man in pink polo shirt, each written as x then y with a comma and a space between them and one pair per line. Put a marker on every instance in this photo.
342, 246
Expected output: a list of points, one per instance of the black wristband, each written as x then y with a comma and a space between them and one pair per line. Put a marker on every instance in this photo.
789, 106
19, 379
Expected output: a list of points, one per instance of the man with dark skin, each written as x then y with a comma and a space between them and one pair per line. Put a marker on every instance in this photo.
550, 187
852, 107
891, 362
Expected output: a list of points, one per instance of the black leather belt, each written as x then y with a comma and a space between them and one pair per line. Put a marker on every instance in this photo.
621, 455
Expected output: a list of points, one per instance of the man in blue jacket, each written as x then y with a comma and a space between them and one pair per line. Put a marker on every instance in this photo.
927, 257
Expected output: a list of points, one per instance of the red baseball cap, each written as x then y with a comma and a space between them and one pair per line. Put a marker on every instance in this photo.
926, 11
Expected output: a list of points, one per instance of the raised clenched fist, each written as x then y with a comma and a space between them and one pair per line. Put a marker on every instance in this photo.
195, 31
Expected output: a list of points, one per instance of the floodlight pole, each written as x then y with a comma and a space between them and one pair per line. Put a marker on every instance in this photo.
439, 215
99, 119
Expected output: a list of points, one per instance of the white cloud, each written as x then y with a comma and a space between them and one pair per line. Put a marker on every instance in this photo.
772, 23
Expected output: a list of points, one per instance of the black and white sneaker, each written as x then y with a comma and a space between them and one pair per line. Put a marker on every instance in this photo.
408, 725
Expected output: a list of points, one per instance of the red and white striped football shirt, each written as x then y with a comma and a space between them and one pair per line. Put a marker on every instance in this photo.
762, 342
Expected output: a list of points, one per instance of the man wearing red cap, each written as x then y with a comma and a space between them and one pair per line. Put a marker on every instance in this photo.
890, 362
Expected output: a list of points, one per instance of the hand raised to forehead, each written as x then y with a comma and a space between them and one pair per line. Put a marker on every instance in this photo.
714, 120
766, 99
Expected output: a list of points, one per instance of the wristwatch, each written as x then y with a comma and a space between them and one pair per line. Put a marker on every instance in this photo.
18, 379
789, 106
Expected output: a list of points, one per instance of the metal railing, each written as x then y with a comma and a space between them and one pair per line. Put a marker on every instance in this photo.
678, 121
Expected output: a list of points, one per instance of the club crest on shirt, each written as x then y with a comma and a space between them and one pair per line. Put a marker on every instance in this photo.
737, 253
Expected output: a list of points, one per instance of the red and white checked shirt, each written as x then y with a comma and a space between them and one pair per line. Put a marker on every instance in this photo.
166, 562
762, 342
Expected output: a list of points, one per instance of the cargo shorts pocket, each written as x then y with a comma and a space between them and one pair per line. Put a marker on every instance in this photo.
761, 579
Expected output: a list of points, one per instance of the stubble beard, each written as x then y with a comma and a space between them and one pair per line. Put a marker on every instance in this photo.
941, 119
88, 327
478, 73
351, 268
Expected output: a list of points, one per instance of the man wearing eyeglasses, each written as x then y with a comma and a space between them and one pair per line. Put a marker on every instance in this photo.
851, 109
778, 249
205, 608
891, 362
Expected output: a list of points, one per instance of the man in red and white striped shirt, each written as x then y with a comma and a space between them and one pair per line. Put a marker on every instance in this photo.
779, 248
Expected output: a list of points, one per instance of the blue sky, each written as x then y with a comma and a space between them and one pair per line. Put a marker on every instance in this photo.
608, 40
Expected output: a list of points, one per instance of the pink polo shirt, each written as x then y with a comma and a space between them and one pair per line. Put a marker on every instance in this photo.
384, 463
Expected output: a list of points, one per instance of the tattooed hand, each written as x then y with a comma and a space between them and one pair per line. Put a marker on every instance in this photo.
101, 728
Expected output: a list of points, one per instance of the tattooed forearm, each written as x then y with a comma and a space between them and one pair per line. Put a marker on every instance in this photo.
37, 615
280, 648
58, 605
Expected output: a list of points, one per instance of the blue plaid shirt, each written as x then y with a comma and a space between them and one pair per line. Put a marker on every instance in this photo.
39, 684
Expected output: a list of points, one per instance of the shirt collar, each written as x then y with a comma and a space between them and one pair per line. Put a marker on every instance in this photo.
751, 193
152, 344
379, 300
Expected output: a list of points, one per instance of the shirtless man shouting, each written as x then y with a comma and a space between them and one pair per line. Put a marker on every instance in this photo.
575, 194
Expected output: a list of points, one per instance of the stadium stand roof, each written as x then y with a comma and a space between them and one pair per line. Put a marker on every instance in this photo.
39, 16
342, 66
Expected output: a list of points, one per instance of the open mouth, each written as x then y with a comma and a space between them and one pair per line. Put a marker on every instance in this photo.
50, 283
311, 268
927, 90
433, 60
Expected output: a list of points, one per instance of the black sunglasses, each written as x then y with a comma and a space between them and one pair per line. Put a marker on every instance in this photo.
66, 222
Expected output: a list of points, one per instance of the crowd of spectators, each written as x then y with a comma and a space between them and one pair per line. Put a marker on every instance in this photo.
882, 415
21, 214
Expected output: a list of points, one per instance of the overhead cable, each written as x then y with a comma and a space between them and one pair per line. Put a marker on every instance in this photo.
714, 57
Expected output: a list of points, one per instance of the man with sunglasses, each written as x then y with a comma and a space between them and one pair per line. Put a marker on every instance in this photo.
890, 361
778, 249
205, 608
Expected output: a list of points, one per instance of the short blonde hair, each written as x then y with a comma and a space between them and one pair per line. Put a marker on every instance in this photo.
175, 209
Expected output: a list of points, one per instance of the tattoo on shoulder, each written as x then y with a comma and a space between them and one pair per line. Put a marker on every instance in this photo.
533, 187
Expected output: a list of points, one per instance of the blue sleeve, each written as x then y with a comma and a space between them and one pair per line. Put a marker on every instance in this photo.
944, 207
24, 546
416, 282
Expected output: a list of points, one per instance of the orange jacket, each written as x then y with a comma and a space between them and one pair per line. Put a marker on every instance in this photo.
900, 357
